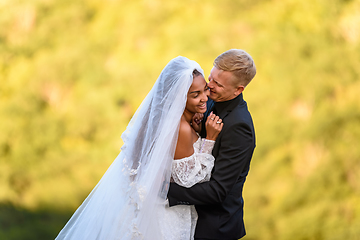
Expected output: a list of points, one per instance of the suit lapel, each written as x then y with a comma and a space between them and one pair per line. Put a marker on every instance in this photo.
223, 112
228, 108
209, 106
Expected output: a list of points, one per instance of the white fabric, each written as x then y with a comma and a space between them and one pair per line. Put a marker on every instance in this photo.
197, 168
178, 222
122, 204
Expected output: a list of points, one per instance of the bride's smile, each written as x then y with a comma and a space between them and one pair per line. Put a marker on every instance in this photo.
197, 96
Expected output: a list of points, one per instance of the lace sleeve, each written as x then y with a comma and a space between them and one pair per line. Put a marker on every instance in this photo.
197, 168
206, 146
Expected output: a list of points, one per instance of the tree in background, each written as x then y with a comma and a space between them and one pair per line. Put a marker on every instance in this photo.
72, 74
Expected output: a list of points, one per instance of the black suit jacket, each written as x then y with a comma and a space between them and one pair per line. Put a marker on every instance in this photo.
219, 202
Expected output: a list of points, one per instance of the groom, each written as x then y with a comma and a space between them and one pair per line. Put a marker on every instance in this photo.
219, 202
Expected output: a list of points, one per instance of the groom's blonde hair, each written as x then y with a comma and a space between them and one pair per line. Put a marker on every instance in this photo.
240, 63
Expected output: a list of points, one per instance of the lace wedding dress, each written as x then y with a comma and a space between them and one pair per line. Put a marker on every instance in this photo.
178, 222
126, 202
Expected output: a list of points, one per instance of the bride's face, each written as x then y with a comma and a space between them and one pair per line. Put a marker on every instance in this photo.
197, 95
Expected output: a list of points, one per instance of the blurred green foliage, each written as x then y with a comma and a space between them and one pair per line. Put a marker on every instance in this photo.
72, 73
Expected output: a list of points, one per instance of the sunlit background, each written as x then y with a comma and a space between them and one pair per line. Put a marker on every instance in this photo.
72, 73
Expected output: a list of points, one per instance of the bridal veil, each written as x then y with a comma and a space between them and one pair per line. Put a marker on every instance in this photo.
123, 203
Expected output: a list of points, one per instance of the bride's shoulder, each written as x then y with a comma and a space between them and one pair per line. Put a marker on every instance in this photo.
185, 128
185, 133
184, 146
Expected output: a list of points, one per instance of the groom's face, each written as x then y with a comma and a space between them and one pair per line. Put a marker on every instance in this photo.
221, 84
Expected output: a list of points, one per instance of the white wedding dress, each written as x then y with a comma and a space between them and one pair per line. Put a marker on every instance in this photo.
178, 222
127, 202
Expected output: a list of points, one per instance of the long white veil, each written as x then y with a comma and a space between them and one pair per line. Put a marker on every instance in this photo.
123, 203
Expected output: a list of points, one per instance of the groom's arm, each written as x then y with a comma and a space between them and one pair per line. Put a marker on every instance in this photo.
237, 146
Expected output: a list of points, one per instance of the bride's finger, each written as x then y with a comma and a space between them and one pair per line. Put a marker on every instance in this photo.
210, 117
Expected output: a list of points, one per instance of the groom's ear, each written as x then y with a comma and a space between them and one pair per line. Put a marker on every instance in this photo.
239, 90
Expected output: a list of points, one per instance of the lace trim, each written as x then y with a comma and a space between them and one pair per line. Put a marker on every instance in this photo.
207, 146
197, 168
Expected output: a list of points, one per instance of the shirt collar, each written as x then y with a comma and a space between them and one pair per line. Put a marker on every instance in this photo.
220, 106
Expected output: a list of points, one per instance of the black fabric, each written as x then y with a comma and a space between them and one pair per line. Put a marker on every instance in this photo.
210, 108
219, 202
220, 106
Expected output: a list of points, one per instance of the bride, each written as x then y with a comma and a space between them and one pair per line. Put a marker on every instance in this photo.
161, 144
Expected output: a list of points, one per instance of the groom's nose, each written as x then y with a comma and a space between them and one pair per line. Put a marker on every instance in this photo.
210, 84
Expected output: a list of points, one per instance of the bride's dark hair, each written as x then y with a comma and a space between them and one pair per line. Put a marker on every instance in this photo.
196, 73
